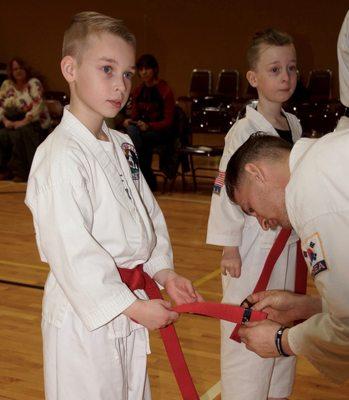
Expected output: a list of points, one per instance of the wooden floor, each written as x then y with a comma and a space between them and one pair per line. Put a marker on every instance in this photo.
20, 306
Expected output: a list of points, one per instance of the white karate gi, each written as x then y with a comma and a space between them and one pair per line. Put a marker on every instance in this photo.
92, 214
317, 201
343, 69
244, 375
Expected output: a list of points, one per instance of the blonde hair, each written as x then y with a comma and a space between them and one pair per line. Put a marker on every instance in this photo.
271, 37
86, 23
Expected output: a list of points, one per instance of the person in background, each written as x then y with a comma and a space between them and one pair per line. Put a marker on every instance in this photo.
23, 116
152, 113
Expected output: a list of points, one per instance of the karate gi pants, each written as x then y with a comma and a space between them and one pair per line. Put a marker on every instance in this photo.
97, 365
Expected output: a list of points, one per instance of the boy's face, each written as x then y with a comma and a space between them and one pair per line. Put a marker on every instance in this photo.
102, 79
275, 75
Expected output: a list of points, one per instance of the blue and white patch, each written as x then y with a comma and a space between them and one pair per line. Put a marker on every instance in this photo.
132, 159
314, 254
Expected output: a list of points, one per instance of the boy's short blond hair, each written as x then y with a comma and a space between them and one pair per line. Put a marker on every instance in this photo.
86, 23
271, 37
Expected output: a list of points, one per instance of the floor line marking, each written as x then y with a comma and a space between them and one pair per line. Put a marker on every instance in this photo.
207, 277
212, 393
16, 264
183, 200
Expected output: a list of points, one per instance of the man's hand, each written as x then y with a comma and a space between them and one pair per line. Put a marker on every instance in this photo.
153, 314
231, 262
284, 306
259, 337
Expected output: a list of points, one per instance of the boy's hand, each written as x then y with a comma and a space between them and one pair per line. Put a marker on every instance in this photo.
153, 314
231, 262
180, 289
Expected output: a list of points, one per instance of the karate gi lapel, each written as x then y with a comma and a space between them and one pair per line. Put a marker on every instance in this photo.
113, 174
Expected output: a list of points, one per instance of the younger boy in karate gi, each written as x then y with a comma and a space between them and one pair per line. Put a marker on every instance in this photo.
93, 212
273, 72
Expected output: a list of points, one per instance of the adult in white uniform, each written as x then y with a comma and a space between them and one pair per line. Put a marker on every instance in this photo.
305, 188
245, 376
93, 212
343, 71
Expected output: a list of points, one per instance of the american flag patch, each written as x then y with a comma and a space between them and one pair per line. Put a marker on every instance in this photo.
219, 182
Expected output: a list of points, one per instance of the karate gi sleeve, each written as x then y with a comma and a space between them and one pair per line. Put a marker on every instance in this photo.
162, 255
324, 338
226, 219
63, 218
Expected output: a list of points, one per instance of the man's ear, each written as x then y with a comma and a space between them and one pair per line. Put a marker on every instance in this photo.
252, 78
68, 68
255, 172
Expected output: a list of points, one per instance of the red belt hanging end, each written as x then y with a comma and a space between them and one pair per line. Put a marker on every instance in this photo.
269, 264
273, 256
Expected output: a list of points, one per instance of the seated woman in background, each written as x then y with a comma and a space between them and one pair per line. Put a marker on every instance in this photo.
23, 117
152, 114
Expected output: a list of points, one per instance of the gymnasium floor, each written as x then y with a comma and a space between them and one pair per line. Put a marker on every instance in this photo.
22, 276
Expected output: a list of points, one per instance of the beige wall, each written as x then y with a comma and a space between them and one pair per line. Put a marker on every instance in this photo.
183, 34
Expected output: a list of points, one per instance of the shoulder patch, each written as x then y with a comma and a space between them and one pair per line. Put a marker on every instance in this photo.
314, 254
219, 182
132, 159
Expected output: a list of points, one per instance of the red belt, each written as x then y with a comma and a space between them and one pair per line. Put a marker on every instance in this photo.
138, 279
274, 254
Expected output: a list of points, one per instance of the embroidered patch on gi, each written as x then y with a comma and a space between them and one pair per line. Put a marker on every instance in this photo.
314, 255
219, 182
132, 159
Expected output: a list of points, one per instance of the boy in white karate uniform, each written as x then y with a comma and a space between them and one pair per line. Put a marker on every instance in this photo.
93, 212
273, 72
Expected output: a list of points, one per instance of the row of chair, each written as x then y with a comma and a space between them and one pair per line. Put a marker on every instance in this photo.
217, 111
319, 85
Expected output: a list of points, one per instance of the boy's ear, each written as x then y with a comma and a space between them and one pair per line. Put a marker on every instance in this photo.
68, 68
255, 172
252, 78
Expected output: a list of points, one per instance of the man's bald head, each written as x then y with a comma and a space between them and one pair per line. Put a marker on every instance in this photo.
259, 146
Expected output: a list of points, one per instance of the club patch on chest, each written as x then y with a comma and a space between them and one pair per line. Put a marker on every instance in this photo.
132, 159
314, 254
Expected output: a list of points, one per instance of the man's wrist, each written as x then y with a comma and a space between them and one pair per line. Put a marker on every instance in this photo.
281, 342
